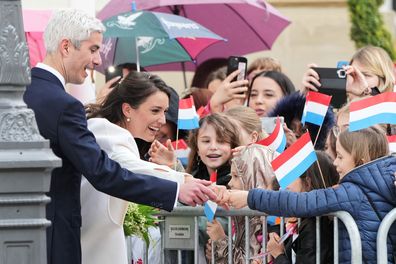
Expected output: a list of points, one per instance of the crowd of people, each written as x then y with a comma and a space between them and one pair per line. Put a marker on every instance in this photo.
121, 145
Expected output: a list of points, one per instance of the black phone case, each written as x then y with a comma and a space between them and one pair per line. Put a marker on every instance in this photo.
332, 84
232, 65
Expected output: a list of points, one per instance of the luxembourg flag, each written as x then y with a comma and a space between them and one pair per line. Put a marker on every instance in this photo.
379, 109
315, 109
392, 143
294, 161
211, 207
277, 139
182, 150
188, 117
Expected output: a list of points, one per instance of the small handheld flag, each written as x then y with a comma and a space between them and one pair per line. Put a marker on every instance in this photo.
392, 143
315, 109
273, 220
202, 112
181, 150
211, 207
373, 110
277, 139
294, 161
188, 117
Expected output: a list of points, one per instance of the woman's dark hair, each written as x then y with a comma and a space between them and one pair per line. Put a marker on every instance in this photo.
204, 69
201, 97
225, 132
281, 79
291, 107
312, 178
134, 90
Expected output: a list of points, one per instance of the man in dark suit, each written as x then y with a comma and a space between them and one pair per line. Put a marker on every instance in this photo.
73, 39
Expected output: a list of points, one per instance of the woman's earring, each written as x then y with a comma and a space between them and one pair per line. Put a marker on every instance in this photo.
198, 160
128, 120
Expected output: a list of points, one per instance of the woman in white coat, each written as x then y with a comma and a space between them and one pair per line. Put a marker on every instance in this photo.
135, 107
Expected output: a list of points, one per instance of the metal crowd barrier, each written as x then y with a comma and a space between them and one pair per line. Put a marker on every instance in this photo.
179, 231
382, 235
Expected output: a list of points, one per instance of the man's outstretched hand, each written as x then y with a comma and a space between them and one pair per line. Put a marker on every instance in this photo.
196, 191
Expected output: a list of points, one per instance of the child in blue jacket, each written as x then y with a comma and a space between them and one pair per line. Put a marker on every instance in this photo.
365, 190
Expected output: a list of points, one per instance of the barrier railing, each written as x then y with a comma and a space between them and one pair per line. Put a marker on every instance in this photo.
179, 232
354, 236
382, 235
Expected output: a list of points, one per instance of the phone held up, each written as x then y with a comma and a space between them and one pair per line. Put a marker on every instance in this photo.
333, 82
237, 63
110, 73
268, 123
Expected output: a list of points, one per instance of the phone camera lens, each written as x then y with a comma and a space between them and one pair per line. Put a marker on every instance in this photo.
341, 73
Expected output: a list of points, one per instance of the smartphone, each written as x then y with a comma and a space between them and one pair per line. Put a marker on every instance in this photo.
110, 73
268, 123
333, 82
237, 63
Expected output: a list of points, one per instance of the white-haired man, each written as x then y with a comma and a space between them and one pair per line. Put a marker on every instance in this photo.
73, 40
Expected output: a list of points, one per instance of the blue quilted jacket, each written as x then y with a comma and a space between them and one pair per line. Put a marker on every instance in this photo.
373, 180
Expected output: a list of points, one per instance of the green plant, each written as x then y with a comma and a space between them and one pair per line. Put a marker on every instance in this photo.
138, 219
368, 25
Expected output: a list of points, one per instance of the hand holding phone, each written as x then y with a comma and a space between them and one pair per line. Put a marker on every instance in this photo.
237, 63
332, 82
111, 73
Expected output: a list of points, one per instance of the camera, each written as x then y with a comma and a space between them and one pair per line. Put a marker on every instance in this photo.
333, 82
341, 73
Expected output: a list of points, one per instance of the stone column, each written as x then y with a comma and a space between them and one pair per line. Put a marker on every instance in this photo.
26, 160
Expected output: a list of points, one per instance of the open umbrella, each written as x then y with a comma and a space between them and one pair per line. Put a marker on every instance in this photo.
150, 38
248, 25
34, 23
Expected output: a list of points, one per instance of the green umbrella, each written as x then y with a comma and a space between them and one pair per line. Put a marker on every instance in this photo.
151, 38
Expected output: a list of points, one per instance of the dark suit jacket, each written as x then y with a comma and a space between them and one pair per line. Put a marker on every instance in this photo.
61, 119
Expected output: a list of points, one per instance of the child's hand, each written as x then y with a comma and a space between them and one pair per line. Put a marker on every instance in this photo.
162, 155
237, 151
208, 250
237, 199
222, 194
273, 246
215, 230
290, 136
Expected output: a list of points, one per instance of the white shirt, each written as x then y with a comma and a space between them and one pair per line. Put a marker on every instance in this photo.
53, 71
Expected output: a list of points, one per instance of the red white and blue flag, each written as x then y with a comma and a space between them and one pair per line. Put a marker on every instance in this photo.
188, 117
294, 161
392, 143
315, 109
379, 109
211, 207
181, 150
277, 139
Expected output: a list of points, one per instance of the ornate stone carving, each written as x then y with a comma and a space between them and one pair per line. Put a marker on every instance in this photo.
18, 126
14, 63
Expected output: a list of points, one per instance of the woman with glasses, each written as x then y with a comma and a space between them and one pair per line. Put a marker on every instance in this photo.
370, 72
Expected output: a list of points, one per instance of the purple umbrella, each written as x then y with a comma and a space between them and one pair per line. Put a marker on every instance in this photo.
248, 25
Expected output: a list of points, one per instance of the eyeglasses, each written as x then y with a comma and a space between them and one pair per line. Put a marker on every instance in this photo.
336, 130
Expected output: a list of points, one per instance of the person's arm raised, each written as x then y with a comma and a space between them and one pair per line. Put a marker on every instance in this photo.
228, 91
